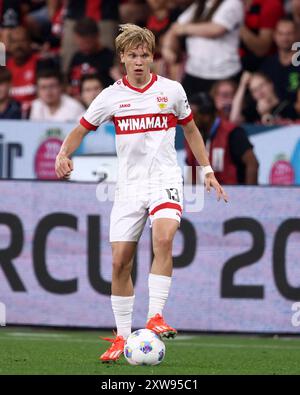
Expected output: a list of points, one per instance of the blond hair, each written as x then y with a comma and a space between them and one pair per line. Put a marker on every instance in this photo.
132, 36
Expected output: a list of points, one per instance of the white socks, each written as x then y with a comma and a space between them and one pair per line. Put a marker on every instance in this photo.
159, 287
122, 307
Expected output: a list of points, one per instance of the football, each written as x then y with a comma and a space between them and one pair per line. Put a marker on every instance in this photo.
144, 347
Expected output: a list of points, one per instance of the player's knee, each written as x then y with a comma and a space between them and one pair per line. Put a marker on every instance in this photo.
163, 242
120, 265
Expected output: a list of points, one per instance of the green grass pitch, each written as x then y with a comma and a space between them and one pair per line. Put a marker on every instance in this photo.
51, 351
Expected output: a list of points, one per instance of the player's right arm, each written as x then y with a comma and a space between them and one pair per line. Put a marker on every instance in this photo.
98, 112
63, 163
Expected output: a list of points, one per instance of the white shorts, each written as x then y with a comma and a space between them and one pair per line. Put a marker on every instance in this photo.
129, 213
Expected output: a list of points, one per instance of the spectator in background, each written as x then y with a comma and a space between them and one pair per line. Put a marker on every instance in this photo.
230, 151
37, 18
160, 17
41, 21
32, 14
279, 67
90, 87
91, 58
212, 31
264, 105
133, 11
52, 104
23, 66
11, 16
257, 33
158, 21
105, 13
223, 93
9, 108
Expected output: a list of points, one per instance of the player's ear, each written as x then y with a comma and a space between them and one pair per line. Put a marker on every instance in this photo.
122, 57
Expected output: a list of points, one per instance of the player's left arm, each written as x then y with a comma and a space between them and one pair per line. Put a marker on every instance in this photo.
196, 143
228, 17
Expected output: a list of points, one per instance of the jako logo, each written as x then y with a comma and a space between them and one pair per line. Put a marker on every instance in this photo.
124, 105
296, 316
2, 314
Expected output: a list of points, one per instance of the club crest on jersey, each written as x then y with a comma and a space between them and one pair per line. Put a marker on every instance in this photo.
162, 102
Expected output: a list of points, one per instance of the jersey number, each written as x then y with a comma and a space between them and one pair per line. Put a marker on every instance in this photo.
173, 194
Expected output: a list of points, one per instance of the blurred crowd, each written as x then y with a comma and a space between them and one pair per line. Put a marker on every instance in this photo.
237, 59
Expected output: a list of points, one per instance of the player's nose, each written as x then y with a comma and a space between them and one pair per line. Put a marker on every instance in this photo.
139, 61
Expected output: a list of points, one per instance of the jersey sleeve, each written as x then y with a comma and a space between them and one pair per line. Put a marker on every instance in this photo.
230, 14
187, 15
183, 109
35, 110
98, 112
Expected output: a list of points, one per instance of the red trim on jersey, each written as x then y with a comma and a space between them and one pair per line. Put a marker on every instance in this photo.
186, 120
93, 9
131, 124
166, 205
87, 125
127, 83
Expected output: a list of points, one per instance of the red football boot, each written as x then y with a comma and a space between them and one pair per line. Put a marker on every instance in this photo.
158, 325
115, 350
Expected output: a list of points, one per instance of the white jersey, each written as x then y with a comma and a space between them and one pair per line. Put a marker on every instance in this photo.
218, 57
145, 123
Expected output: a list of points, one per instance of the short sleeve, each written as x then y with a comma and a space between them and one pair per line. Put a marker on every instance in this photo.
188, 14
183, 109
35, 110
230, 14
98, 112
